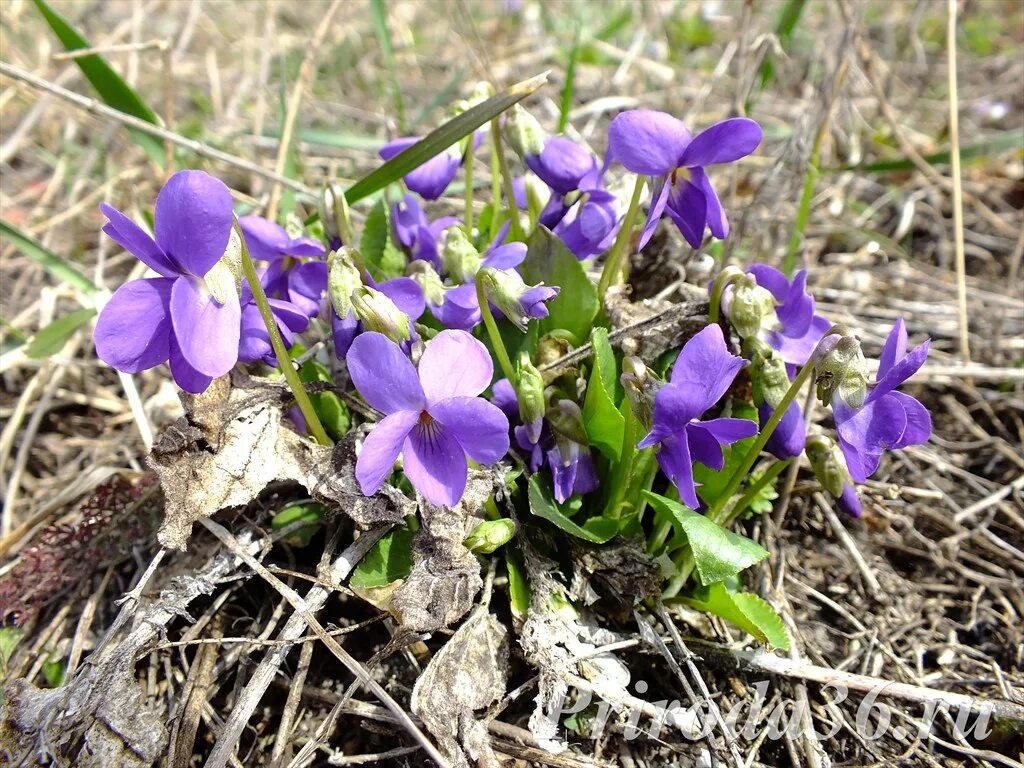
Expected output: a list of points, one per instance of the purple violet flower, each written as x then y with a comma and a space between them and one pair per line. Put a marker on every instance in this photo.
434, 416
790, 433
431, 179
416, 232
800, 329
405, 292
176, 316
254, 343
700, 377
303, 283
888, 419
572, 467
656, 144
562, 164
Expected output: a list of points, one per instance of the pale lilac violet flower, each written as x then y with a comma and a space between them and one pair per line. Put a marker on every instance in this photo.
888, 419
656, 144
701, 375
174, 317
433, 415
431, 179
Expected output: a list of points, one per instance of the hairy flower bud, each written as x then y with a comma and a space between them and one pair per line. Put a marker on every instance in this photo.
426, 276
343, 279
489, 535
333, 213
523, 132
530, 393
518, 301
749, 307
458, 255
769, 375
379, 313
566, 419
841, 369
827, 463
640, 386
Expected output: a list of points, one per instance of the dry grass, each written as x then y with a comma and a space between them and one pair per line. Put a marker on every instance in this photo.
925, 590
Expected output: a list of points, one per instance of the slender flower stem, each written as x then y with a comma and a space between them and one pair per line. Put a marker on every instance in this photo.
492, 331
468, 193
284, 363
613, 266
510, 193
726, 276
620, 475
759, 442
495, 192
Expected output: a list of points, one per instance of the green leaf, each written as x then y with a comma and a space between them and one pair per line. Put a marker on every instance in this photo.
310, 512
596, 529
375, 233
51, 339
114, 91
441, 138
718, 554
54, 264
549, 261
9, 639
389, 560
55, 670
570, 82
334, 414
744, 609
603, 421
519, 591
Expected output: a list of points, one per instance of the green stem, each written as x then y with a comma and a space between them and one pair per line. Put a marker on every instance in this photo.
759, 442
613, 269
620, 475
755, 488
506, 176
495, 193
284, 362
726, 276
468, 194
492, 331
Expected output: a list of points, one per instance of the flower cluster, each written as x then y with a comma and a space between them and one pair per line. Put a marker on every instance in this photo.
422, 310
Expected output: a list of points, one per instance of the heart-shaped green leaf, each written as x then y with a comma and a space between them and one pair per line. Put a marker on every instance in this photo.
744, 609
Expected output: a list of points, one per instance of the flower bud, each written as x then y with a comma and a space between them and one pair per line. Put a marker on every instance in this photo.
841, 369
334, 213
566, 419
640, 386
518, 301
225, 277
769, 375
523, 132
343, 279
749, 307
458, 255
490, 535
530, 393
378, 313
828, 464
426, 277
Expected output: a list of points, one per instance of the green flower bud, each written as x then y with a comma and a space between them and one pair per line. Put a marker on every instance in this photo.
334, 212
523, 132
749, 307
426, 276
530, 393
458, 255
518, 301
840, 368
378, 313
640, 386
566, 419
768, 374
343, 278
490, 535
828, 464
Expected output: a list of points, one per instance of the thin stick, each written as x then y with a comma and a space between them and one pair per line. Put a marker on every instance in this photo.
958, 195
303, 610
306, 72
130, 121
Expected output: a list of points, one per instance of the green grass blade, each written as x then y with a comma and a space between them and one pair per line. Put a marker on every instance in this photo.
113, 90
380, 26
570, 83
51, 339
1002, 142
441, 138
784, 26
53, 263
